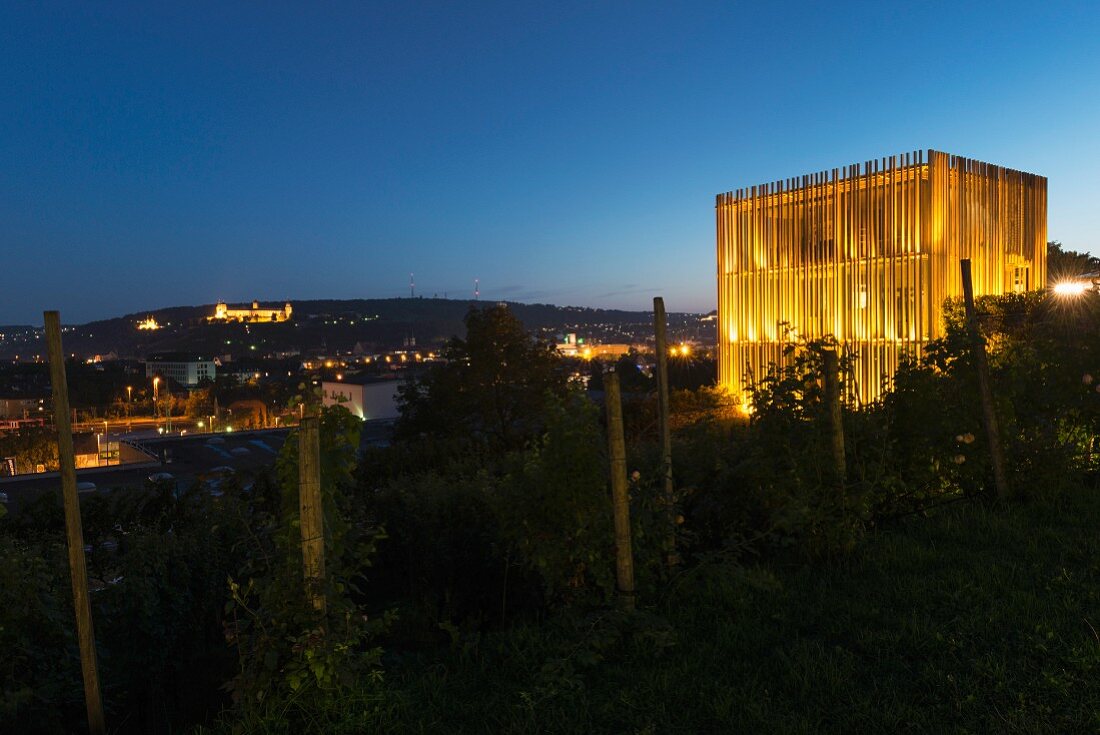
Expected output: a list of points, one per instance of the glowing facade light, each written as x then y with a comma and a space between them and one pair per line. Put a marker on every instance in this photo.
866, 255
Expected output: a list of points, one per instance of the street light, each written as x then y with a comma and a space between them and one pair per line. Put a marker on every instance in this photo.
156, 396
1070, 288
129, 397
1075, 286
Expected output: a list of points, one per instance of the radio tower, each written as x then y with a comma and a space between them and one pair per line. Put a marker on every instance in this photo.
477, 290
412, 287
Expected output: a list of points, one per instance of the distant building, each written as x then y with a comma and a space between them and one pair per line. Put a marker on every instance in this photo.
94, 450
185, 369
866, 255
368, 398
21, 407
569, 345
257, 313
572, 346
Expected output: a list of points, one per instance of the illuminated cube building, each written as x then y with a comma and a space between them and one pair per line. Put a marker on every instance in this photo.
867, 254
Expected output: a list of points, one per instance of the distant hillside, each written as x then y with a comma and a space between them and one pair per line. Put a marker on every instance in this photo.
326, 325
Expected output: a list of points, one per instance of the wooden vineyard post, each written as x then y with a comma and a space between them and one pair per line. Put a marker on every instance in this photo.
311, 512
659, 332
831, 367
620, 497
989, 415
73, 531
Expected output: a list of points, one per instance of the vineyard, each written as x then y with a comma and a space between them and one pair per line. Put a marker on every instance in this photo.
473, 576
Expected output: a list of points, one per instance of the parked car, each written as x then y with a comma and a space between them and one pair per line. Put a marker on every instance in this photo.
213, 479
85, 487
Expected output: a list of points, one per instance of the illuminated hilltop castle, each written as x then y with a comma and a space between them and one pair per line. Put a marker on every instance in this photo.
222, 312
867, 254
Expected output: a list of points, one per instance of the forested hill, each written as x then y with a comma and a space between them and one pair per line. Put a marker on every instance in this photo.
318, 324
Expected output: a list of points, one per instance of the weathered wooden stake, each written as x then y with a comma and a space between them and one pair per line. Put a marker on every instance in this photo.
73, 531
659, 331
989, 415
620, 496
311, 512
831, 365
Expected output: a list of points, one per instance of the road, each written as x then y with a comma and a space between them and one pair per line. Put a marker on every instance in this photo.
147, 426
186, 457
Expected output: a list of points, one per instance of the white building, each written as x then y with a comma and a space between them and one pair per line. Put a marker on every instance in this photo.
187, 370
367, 398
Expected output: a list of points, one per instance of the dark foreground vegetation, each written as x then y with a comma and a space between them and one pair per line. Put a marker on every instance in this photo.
973, 620
470, 566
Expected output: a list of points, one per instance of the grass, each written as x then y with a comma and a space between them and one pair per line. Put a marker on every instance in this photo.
975, 620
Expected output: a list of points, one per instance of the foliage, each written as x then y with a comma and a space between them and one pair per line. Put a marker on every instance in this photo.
37, 694
1044, 353
553, 508
31, 446
498, 558
441, 565
633, 378
970, 620
707, 403
763, 485
156, 567
1062, 263
490, 387
200, 402
284, 645
159, 560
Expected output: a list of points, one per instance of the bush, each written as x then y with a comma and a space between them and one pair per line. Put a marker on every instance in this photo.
287, 648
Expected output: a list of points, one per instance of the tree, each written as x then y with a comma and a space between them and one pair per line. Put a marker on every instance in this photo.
200, 403
1068, 263
492, 388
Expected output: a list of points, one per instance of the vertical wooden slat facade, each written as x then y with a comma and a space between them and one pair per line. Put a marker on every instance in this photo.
867, 254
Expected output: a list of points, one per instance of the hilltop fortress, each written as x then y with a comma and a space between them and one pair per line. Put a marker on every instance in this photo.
257, 313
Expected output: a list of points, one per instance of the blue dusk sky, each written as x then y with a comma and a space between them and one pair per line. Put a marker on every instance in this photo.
156, 154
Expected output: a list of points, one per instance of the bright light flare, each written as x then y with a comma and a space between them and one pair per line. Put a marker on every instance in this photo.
1070, 288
